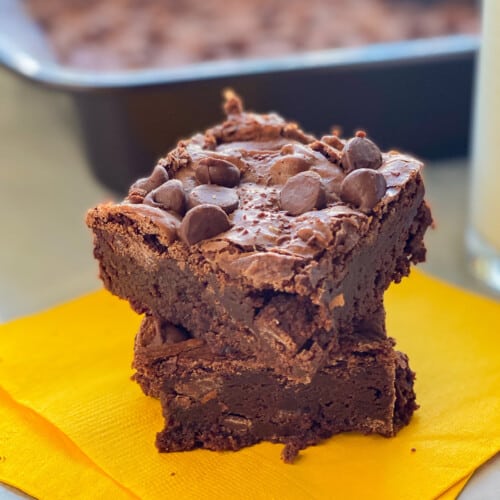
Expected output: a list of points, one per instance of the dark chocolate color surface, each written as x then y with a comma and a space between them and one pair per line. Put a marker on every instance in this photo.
220, 402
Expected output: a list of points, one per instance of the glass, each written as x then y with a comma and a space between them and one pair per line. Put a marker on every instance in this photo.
483, 235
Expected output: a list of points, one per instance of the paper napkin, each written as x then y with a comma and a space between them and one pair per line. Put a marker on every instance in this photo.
73, 424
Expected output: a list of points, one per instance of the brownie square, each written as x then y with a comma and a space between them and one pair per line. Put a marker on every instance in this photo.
217, 402
265, 242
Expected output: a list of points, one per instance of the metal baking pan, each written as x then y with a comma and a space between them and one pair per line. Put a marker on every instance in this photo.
413, 96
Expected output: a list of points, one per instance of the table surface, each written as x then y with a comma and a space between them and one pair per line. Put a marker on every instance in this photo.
46, 187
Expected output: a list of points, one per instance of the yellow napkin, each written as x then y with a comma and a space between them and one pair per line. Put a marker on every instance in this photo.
73, 425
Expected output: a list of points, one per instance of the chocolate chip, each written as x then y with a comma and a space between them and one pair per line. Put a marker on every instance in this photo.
360, 152
302, 193
287, 166
223, 197
363, 188
217, 171
143, 186
169, 196
332, 177
202, 222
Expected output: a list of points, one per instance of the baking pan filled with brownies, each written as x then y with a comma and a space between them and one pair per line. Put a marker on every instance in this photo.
143, 75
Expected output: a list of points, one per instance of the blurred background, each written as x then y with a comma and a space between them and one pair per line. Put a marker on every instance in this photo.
122, 34
93, 92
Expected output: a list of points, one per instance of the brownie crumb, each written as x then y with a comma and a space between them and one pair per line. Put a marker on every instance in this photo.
233, 104
290, 452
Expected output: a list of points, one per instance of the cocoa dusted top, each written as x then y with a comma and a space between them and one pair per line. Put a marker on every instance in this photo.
256, 193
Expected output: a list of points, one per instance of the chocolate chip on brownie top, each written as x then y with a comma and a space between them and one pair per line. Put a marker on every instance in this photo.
278, 189
258, 199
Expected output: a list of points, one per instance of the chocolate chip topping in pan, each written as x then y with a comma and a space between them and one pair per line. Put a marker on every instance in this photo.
203, 222
142, 187
363, 188
302, 193
223, 197
168, 196
217, 171
360, 152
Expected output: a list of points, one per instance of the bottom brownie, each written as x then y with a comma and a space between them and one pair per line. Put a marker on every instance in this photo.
225, 404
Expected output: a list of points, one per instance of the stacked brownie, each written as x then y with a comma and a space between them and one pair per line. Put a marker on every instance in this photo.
260, 255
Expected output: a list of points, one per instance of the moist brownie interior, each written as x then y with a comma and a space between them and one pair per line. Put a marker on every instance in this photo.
220, 402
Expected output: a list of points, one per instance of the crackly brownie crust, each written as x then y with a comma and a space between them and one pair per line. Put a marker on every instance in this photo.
274, 286
219, 403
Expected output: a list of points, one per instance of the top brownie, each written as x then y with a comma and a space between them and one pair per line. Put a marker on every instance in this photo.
264, 240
